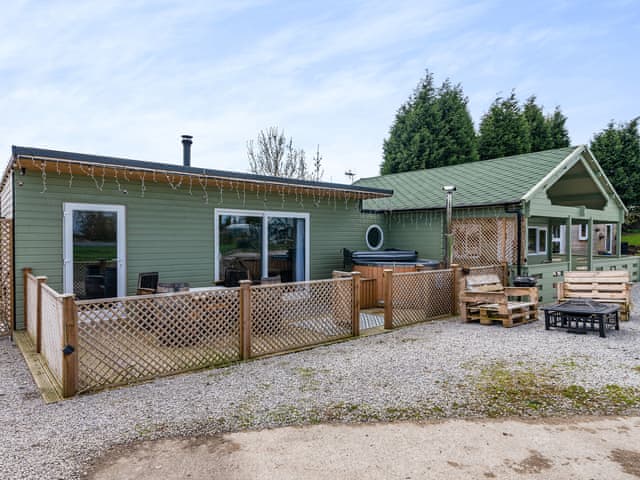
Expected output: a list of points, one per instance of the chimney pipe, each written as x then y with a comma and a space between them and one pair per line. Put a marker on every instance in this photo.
187, 140
448, 236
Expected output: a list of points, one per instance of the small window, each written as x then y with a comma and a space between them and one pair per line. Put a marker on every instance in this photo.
374, 237
537, 240
583, 232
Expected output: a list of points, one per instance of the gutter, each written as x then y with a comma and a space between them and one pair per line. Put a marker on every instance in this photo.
504, 203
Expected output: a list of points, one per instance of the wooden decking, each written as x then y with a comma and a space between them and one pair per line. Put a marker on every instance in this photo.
50, 390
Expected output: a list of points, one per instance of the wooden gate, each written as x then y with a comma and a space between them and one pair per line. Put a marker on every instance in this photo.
6, 277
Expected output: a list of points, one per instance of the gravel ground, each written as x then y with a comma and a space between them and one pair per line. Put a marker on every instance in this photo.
432, 370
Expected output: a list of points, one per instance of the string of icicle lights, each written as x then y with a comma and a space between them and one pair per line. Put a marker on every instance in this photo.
211, 190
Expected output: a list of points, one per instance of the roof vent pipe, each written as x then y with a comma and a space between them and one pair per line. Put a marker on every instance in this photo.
448, 236
187, 140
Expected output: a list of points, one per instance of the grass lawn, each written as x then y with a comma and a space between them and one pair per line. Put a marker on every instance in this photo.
632, 238
94, 253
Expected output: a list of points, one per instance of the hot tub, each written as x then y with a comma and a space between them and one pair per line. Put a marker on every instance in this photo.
371, 264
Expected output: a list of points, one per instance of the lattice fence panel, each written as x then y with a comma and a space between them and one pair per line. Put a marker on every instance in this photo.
6, 277
32, 306
420, 296
135, 338
484, 241
51, 330
293, 315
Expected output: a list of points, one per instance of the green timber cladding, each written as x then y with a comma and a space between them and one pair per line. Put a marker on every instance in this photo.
167, 230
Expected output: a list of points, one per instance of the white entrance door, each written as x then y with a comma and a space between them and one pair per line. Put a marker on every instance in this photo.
94, 250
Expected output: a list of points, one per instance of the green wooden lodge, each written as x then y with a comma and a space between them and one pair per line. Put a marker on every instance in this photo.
570, 215
93, 224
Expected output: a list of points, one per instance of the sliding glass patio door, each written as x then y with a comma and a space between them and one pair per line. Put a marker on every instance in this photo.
94, 250
254, 245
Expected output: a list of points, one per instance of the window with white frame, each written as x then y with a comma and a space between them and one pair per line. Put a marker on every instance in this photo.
252, 245
537, 240
558, 239
583, 231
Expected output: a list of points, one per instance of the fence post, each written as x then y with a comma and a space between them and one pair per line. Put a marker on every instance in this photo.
387, 285
70, 352
245, 319
40, 281
457, 275
25, 272
355, 317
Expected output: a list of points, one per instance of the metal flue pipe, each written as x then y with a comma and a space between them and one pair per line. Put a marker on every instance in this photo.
448, 236
187, 140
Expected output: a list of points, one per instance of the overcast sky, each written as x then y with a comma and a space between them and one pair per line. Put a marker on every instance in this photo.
127, 78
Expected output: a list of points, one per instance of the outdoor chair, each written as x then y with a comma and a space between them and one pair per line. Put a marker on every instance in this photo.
604, 286
484, 298
147, 283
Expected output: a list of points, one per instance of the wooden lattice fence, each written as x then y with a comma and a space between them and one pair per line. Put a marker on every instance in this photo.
93, 344
131, 339
420, 296
484, 241
292, 315
52, 331
6, 277
32, 302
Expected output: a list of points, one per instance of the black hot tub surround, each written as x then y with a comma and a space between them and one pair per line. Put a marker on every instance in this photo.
389, 256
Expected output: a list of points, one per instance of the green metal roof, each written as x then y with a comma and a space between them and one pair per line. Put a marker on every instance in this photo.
487, 182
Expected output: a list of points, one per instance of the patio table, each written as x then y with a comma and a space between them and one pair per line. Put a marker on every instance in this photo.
580, 316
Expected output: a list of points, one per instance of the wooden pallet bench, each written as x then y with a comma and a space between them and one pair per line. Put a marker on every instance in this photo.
605, 287
485, 299
516, 313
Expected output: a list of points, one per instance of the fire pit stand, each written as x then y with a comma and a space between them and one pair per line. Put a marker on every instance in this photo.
581, 316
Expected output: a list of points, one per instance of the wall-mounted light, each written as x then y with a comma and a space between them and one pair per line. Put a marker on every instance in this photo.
23, 171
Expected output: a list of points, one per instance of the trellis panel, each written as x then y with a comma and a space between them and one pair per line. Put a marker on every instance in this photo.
31, 291
293, 315
52, 330
135, 338
484, 240
6, 276
420, 296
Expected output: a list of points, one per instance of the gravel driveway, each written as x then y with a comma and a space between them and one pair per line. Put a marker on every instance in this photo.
433, 370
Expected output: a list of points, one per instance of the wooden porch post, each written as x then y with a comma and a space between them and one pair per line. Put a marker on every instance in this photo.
568, 248
355, 316
245, 319
590, 244
618, 239
387, 282
70, 367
